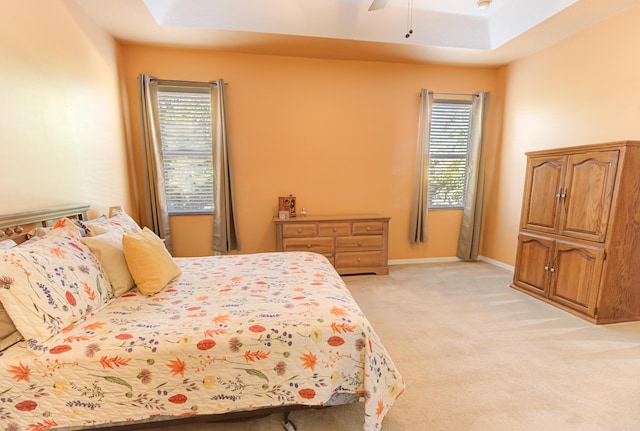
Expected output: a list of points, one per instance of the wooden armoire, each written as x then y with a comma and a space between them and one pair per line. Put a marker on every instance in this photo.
579, 239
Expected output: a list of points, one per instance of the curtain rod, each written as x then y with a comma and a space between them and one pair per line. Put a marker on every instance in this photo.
453, 94
173, 81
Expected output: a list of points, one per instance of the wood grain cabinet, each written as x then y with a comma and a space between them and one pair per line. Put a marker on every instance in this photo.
579, 240
353, 244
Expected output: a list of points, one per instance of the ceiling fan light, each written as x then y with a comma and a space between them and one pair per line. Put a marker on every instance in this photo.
483, 4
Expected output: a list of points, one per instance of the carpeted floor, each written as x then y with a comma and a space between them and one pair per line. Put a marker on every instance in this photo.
477, 355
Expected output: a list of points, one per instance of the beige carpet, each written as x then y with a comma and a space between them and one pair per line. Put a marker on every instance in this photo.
478, 356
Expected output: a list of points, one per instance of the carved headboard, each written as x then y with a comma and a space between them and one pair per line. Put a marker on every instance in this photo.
15, 226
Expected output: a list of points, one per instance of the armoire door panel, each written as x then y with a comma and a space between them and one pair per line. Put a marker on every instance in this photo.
531, 270
590, 181
576, 276
542, 192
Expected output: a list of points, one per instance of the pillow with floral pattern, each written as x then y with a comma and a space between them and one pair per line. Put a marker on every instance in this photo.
120, 222
49, 284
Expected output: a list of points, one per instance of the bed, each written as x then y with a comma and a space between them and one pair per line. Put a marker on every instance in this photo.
226, 335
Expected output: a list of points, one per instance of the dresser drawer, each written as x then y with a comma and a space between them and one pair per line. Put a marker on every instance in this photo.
299, 229
355, 243
358, 260
334, 229
318, 245
368, 228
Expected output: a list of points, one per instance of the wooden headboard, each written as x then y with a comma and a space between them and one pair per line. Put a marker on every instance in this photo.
15, 226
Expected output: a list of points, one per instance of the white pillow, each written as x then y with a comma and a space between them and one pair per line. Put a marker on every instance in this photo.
108, 249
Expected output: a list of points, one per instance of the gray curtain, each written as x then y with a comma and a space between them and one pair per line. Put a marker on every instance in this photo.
469, 240
418, 228
225, 229
155, 202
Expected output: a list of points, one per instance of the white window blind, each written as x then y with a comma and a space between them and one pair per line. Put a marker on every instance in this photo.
186, 134
448, 152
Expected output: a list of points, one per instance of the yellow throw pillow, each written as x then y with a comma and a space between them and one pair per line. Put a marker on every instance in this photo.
149, 262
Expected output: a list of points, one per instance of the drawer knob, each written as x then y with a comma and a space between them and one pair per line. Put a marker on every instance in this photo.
308, 245
359, 243
335, 229
299, 230
359, 259
368, 228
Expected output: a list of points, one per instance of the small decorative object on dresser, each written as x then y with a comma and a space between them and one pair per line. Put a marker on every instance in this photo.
353, 244
288, 205
579, 236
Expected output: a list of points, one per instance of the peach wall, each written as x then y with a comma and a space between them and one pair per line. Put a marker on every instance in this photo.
61, 123
582, 90
339, 135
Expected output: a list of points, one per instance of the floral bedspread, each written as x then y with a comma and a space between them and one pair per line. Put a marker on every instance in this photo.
231, 333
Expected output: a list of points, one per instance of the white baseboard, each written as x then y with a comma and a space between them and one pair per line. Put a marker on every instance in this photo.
496, 263
448, 259
424, 260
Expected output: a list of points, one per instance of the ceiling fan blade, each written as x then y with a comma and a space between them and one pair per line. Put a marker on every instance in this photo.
378, 4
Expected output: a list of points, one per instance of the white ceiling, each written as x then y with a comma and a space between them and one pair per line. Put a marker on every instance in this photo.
443, 31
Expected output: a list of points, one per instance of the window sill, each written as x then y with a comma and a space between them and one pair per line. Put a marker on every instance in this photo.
191, 213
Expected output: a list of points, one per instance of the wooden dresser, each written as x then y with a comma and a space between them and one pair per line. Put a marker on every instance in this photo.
353, 244
579, 241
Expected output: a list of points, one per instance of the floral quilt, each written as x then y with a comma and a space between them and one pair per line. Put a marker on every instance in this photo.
231, 333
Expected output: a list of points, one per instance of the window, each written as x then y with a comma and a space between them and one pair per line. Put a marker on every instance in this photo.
448, 150
184, 114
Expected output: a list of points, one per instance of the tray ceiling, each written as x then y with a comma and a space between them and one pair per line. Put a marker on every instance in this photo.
443, 31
